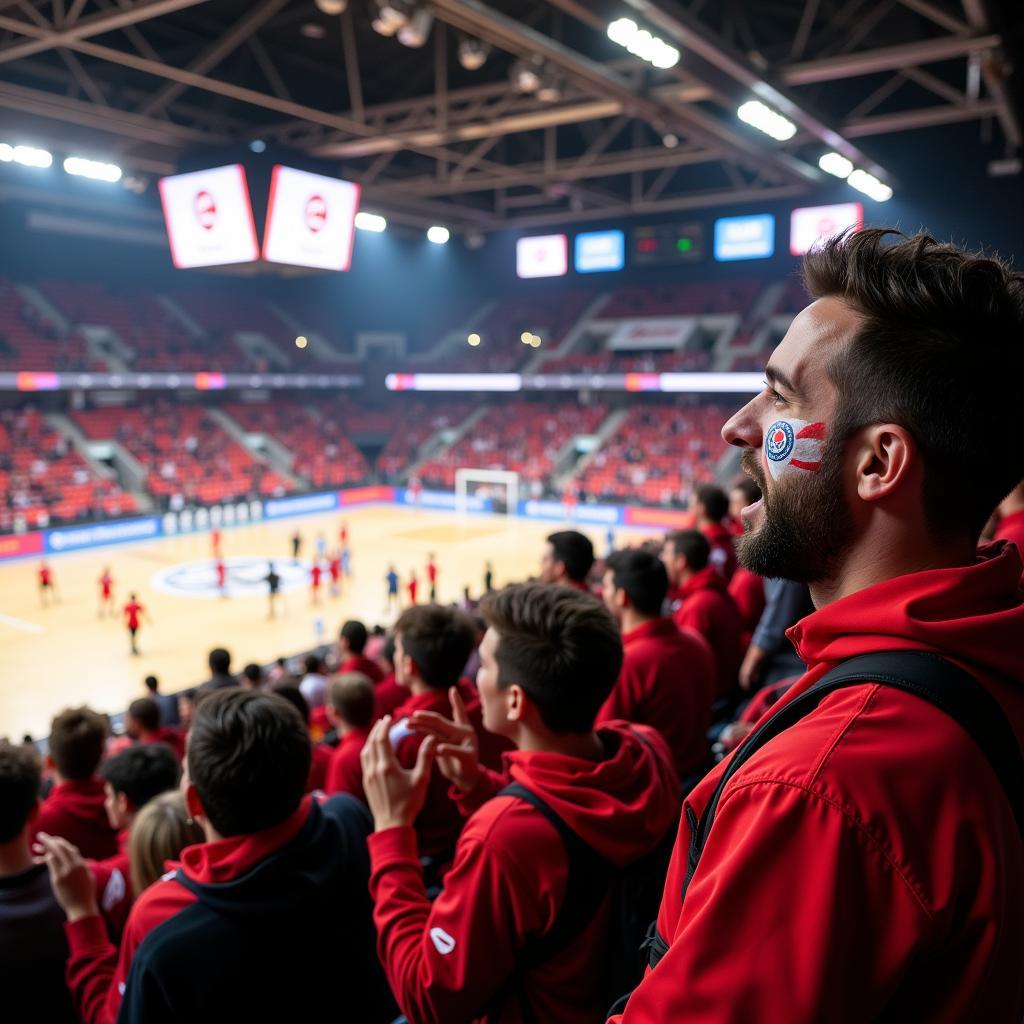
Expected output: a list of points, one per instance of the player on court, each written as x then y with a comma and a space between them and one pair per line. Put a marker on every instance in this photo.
296, 545
133, 612
570, 499
334, 570
343, 533
416, 491
413, 587
392, 581
106, 594
273, 582
47, 586
488, 577
315, 576
432, 577
346, 561
222, 578
215, 544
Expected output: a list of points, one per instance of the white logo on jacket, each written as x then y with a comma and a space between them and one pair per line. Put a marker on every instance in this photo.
442, 941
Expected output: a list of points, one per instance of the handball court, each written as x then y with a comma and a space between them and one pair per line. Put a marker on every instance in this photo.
64, 655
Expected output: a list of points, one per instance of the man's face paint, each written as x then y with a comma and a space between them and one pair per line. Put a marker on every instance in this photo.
792, 445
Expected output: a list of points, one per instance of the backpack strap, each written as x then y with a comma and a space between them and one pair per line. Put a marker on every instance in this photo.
923, 674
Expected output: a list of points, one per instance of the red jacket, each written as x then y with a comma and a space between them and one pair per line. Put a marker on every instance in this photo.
170, 736
368, 667
74, 810
439, 823
389, 695
747, 591
446, 960
319, 766
113, 877
667, 682
723, 548
1011, 528
703, 604
865, 863
345, 772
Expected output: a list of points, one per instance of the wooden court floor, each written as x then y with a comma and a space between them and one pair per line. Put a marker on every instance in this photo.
64, 655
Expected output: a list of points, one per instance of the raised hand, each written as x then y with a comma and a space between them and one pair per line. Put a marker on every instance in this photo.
458, 749
70, 878
395, 795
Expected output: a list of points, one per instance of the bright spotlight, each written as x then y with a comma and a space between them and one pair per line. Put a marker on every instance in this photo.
301, 341
95, 169
416, 31
835, 163
332, 7
764, 119
391, 16
643, 44
527, 74
870, 186
473, 340
370, 222
27, 156
473, 53
526, 337
438, 235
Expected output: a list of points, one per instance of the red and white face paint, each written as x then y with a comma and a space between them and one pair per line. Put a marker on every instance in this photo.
793, 445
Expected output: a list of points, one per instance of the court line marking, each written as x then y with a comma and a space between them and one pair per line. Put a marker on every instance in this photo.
22, 624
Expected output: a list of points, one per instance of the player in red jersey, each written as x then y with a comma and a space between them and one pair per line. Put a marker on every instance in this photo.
412, 586
432, 577
415, 491
570, 499
315, 575
343, 534
215, 539
47, 586
133, 613
334, 569
106, 593
222, 578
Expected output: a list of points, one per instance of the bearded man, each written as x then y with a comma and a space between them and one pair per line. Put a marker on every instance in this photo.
865, 861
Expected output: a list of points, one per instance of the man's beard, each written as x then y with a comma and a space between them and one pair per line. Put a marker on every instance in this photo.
806, 525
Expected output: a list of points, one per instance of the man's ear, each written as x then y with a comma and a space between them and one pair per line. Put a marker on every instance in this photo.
887, 457
515, 703
193, 804
621, 599
560, 573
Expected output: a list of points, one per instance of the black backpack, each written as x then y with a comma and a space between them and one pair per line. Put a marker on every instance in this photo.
928, 676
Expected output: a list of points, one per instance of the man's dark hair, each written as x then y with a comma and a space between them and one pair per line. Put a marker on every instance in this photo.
714, 500
642, 576
439, 640
352, 696
387, 652
142, 772
939, 352
20, 774
289, 690
575, 551
355, 636
749, 488
312, 663
254, 673
77, 739
220, 661
248, 757
152, 684
146, 712
693, 544
560, 645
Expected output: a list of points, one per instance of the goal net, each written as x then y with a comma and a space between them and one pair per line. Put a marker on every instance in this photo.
474, 487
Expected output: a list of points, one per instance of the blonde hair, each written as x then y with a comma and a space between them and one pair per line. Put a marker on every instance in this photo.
160, 831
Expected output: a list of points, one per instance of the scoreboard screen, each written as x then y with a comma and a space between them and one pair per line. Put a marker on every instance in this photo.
663, 245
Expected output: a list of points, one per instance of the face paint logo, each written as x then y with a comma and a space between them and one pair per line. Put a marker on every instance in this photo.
793, 445
780, 441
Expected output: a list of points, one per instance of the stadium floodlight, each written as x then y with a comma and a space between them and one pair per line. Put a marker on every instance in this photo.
550, 89
764, 119
301, 341
527, 75
391, 16
525, 337
438, 235
97, 170
835, 163
27, 156
332, 7
473, 53
643, 44
370, 222
473, 340
416, 31
870, 186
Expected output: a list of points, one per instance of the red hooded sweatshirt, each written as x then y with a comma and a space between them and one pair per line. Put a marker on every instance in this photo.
703, 604
389, 695
113, 877
74, 811
1011, 528
368, 667
447, 960
345, 771
667, 682
864, 864
723, 549
747, 591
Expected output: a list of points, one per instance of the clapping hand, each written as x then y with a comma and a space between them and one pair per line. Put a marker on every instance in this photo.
70, 878
395, 794
458, 750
